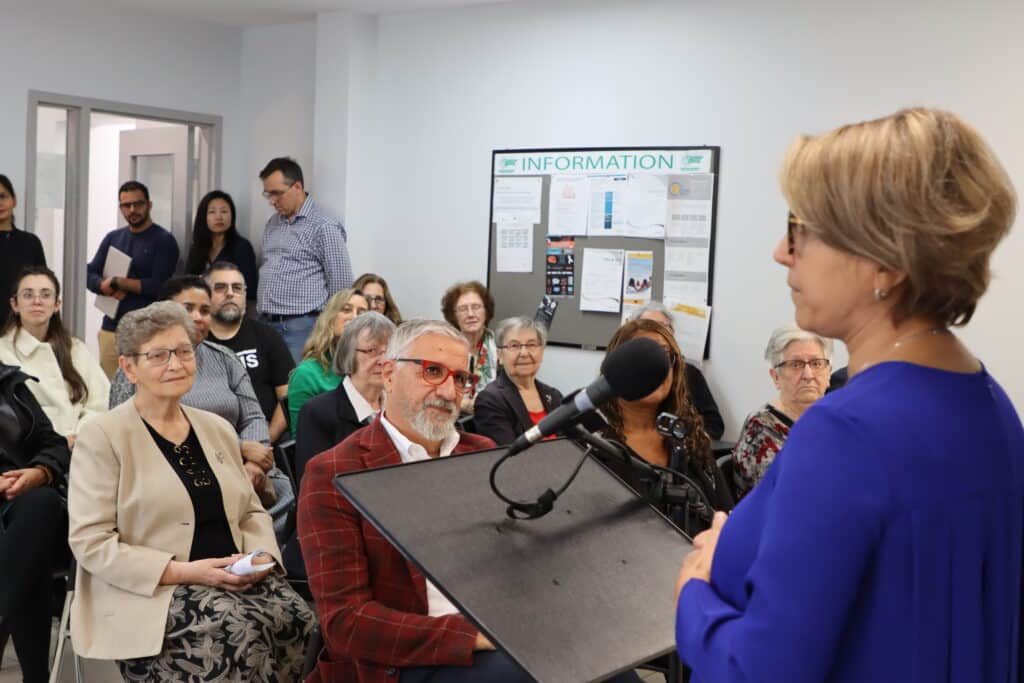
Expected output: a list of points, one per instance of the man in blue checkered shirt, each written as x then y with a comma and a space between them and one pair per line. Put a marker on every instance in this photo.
305, 256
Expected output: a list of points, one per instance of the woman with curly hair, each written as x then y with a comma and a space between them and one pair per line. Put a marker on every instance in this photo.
315, 374
469, 307
633, 423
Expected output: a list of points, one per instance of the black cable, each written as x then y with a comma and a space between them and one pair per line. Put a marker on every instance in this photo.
545, 502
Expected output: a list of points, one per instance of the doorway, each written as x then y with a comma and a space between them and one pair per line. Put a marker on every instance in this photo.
80, 152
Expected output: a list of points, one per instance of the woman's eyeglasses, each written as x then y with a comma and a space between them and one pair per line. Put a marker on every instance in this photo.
515, 347
30, 295
158, 357
796, 229
437, 373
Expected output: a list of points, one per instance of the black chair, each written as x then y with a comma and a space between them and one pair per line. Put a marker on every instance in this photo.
313, 647
64, 630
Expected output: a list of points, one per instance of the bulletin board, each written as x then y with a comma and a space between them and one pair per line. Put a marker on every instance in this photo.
558, 218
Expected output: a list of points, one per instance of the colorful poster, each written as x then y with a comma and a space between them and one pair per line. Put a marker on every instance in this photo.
637, 283
560, 268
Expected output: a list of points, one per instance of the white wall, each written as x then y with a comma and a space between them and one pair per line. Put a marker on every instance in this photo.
448, 86
120, 56
277, 95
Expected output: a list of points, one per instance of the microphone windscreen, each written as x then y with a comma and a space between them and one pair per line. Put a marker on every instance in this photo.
636, 368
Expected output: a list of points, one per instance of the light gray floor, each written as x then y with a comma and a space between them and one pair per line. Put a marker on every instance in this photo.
94, 671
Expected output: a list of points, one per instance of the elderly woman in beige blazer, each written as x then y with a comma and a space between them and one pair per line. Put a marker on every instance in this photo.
160, 506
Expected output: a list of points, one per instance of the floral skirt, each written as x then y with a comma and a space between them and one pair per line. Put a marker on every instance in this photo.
216, 635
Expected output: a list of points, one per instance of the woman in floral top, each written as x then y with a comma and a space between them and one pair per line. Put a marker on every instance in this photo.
800, 363
470, 307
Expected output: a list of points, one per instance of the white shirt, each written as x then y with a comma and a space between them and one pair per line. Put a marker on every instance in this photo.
437, 604
37, 359
359, 404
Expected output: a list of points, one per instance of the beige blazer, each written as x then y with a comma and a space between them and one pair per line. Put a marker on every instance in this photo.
130, 515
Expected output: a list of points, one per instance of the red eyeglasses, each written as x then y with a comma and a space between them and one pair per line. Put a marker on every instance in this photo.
437, 373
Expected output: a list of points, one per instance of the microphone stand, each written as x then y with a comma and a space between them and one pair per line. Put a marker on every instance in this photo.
680, 494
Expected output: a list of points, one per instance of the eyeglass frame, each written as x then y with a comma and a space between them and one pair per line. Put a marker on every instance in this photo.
793, 225
30, 295
148, 355
469, 308
468, 385
223, 287
373, 299
136, 205
804, 364
277, 194
515, 346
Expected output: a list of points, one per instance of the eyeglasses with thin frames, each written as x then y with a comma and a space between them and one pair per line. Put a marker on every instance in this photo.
515, 347
158, 357
29, 295
796, 230
468, 308
136, 205
277, 194
797, 366
436, 374
375, 300
223, 287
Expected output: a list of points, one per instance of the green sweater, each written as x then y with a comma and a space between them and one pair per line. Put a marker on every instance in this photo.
309, 379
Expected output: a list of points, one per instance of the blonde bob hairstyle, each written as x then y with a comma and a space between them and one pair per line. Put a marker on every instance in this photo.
320, 344
918, 192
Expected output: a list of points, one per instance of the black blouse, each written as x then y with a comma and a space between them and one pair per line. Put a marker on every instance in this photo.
237, 250
211, 535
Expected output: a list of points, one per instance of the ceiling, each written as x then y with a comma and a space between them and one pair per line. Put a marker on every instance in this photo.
253, 12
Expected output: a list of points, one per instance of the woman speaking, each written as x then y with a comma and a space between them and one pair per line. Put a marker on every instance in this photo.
884, 542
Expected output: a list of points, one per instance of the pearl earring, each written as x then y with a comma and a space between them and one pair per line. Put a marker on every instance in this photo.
880, 294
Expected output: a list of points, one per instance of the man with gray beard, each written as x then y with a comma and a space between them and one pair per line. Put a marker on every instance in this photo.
381, 619
259, 347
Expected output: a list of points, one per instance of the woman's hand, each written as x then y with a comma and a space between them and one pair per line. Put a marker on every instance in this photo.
210, 572
13, 483
482, 644
697, 565
258, 454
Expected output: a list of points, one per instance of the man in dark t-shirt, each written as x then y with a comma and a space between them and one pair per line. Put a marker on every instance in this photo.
259, 347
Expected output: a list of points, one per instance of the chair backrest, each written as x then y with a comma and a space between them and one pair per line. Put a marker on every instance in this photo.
284, 458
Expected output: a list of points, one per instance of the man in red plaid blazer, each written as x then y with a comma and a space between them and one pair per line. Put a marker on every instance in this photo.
380, 618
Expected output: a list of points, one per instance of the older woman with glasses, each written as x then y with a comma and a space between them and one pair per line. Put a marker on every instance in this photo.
884, 542
222, 386
469, 307
160, 511
515, 400
799, 365
327, 419
315, 374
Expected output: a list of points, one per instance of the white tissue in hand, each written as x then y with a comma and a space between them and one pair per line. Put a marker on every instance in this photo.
245, 566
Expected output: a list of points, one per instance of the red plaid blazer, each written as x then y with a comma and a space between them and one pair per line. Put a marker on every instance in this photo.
371, 602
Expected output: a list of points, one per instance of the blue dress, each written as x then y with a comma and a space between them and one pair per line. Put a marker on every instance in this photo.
883, 544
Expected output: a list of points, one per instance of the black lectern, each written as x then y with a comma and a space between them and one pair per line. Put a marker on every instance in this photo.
580, 594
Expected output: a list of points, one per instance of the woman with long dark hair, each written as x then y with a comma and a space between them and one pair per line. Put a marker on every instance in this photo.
215, 238
71, 384
634, 424
17, 247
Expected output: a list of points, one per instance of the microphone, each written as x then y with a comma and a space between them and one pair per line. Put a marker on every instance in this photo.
630, 372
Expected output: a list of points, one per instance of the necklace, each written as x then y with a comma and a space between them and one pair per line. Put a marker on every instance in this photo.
900, 341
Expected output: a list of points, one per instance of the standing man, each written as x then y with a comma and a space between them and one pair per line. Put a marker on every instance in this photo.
305, 256
154, 254
258, 346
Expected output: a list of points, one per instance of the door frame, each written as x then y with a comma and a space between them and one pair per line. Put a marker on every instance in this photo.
76, 201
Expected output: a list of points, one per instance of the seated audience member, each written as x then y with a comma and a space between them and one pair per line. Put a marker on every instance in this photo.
222, 387
376, 611
696, 386
258, 346
18, 248
470, 307
377, 294
515, 401
799, 364
33, 522
326, 420
215, 238
839, 379
315, 375
633, 423
71, 384
153, 592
